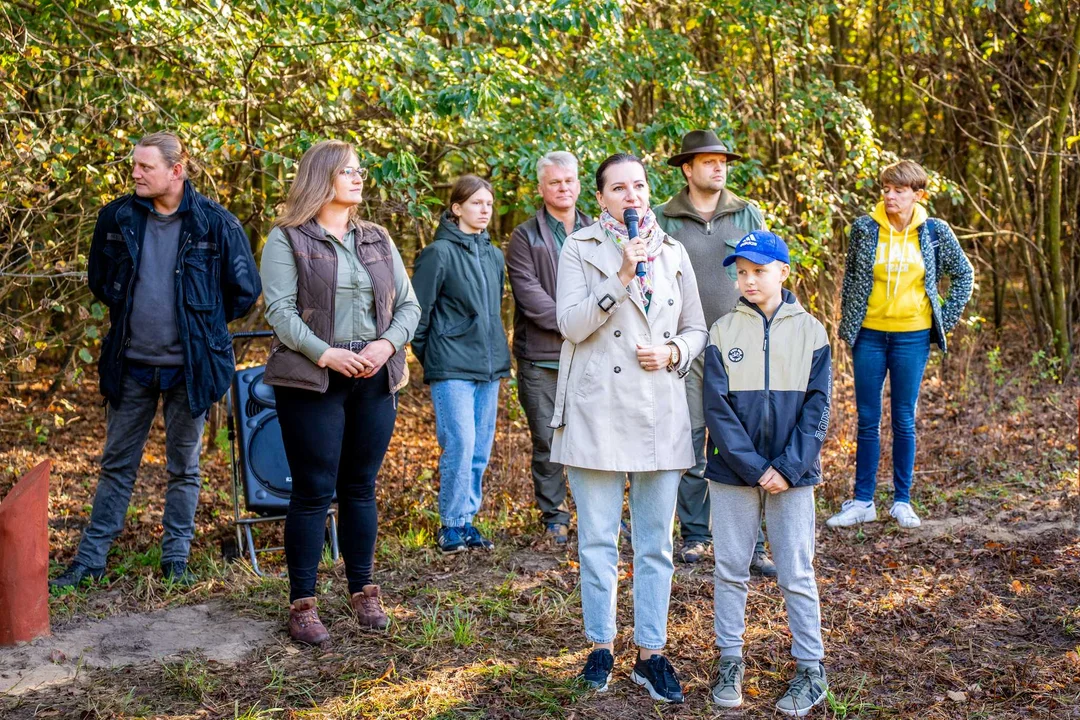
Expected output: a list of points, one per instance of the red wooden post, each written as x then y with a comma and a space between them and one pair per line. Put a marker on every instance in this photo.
24, 558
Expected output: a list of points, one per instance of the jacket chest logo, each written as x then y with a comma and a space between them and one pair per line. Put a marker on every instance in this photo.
735, 354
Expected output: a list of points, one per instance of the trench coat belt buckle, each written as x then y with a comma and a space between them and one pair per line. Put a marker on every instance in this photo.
353, 345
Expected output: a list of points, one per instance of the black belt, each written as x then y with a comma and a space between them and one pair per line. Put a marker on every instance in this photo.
353, 345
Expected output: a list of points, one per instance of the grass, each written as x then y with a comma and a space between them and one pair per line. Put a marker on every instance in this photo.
907, 616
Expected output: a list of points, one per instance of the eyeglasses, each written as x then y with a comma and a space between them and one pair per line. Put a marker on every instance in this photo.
350, 172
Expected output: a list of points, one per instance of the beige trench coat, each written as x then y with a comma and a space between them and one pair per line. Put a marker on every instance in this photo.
610, 413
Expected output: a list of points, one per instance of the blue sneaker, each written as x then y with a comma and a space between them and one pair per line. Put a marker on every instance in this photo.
452, 540
475, 540
598, 668
658, 677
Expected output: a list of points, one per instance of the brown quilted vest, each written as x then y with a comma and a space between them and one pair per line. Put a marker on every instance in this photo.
316, 265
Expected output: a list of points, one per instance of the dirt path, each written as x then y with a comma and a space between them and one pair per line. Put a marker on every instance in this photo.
212, 629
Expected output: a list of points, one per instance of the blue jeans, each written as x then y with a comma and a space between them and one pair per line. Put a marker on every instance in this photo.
465, 413
127, 427
904, 356
598, 495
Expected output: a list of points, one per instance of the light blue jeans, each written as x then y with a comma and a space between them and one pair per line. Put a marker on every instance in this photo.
465, 413
598, 495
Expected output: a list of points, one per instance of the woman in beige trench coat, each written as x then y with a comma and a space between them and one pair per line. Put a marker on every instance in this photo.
620, 411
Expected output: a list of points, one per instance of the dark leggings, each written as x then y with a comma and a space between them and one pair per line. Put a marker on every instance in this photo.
334, 440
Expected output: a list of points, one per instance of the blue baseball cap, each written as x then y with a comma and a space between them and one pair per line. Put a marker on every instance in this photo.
760, 247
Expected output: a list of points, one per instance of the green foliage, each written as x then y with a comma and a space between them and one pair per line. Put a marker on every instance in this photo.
426, 90
816, 94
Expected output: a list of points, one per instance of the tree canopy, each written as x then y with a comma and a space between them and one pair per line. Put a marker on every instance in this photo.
816, 95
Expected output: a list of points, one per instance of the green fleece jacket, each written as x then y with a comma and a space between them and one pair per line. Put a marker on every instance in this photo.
708, 242
458, 280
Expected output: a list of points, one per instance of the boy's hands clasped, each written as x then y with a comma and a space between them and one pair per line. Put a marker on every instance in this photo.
773, 481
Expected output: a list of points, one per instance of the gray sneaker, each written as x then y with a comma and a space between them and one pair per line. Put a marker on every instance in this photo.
807, 689
727, 692
693, 551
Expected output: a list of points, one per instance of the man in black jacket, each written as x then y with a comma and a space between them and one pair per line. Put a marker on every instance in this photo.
174, 268
532, 261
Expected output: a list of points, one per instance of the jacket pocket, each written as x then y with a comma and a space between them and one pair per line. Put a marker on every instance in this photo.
200, 281
208, 321
588, 376
458, 328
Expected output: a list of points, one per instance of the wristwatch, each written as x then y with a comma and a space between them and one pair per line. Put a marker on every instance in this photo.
675, 357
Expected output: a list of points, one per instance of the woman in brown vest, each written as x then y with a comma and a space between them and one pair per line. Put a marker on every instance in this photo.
342, 309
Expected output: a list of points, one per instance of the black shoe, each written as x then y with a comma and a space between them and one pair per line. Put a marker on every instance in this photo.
658, 677
177, 573
75, 574
598, 668
475, 541
762, 565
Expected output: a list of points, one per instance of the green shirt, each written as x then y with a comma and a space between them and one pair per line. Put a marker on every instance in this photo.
558, 230
354, 298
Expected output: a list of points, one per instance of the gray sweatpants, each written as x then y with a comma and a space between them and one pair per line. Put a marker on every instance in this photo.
736, 520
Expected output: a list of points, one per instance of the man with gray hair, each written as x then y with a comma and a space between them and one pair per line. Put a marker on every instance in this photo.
532, 262
174, 268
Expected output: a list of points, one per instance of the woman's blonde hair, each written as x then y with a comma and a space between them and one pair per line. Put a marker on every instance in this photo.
173, 150
906, 173
313, 185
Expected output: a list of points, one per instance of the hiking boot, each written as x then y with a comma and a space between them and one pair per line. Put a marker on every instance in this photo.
658, 677
807, 689
368, 608
74, 576
452, 540
905, 515
853, 512
598, 668
177, 572
761, 565
727, 692
475, 541
304, 623
557, 533
692, 551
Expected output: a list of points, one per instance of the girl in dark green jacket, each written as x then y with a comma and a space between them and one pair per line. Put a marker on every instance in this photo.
461, 343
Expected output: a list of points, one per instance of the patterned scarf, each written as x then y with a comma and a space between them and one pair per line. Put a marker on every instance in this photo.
649, 232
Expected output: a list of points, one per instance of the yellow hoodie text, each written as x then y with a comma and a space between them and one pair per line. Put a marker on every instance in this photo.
898, 302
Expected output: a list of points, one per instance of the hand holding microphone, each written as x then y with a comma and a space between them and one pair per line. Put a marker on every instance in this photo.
630, 219
634, 252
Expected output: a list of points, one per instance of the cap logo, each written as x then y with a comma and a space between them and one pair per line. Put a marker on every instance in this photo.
735, 354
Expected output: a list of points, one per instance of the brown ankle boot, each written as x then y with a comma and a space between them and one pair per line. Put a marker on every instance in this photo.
304, 623
368, 608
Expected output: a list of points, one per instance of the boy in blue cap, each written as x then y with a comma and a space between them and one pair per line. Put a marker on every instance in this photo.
768, 379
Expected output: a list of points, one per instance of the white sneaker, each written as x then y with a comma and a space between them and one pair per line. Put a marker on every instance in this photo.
853, 512
905, 515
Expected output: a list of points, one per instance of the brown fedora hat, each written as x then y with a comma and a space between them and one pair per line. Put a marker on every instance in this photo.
696, 142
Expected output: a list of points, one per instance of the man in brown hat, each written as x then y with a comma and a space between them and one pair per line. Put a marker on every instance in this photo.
708, 219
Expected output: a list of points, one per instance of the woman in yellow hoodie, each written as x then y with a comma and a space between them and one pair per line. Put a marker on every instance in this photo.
891, 313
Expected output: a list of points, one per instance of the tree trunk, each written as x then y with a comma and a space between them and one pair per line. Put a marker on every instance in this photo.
1053, 231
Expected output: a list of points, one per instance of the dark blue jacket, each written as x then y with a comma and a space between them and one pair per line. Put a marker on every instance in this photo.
216, 281
766, 396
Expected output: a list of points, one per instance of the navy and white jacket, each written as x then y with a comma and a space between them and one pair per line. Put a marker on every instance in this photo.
767, 391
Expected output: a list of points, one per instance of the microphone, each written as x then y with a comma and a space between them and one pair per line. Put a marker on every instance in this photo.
630, 220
